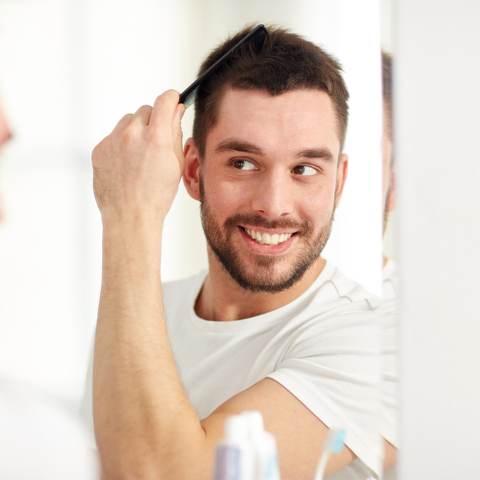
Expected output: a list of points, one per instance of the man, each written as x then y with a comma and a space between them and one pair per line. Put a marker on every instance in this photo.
272, 326
388, 182
389, 308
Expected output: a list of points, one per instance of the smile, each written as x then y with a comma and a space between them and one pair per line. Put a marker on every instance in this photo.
266, 238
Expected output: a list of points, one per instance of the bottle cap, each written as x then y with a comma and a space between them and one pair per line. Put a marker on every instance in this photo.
255, 424
236, 428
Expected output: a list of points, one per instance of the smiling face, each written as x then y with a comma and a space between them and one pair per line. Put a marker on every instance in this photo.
269, 183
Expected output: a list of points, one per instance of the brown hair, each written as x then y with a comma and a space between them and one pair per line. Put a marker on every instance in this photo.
284, 62
387, 92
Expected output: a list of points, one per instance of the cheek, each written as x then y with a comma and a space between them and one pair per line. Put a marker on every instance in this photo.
226, 198
317, 206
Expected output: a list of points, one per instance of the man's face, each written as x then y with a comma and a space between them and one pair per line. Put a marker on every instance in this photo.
269, 184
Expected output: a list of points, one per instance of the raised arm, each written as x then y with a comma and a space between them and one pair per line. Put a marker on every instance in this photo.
144, 425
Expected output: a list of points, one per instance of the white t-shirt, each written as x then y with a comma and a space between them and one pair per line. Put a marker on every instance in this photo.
390, 281
323, 347
41, 441
389, 390
390, 355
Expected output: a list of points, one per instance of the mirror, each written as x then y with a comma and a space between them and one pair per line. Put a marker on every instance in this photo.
69, 71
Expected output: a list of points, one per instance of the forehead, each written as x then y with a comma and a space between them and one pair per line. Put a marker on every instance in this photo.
290, 121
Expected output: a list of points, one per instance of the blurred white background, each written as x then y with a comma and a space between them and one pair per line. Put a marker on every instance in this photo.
69, 70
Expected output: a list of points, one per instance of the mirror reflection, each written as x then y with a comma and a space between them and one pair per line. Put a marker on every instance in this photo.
212, 298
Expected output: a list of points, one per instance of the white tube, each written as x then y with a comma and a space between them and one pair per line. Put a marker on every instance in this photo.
264, 447
234, 454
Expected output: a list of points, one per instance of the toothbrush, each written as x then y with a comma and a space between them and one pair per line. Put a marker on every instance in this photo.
333, 444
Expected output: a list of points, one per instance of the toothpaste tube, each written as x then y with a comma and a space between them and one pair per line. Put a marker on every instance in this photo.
234, 458
264, 448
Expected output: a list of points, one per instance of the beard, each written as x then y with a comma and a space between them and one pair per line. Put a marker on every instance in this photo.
268, 276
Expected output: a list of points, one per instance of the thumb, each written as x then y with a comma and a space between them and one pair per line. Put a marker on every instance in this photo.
177, 131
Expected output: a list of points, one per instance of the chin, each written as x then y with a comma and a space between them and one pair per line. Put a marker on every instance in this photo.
267, 279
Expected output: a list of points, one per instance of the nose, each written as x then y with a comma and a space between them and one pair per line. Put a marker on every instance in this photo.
273, 196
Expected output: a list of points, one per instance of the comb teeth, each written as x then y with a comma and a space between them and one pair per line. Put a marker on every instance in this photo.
189, 99
255, 38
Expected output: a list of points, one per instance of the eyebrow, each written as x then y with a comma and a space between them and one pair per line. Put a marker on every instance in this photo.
323, 153
238, 146
247, 147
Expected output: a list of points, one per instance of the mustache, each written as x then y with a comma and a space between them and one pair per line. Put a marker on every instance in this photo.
253, 220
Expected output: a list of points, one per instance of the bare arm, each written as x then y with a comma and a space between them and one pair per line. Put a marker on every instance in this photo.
144, 424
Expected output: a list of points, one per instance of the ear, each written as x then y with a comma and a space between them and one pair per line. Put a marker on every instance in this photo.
392, 191
191, 173
342, 171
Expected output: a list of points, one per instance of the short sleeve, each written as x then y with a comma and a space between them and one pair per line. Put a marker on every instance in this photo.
333, 367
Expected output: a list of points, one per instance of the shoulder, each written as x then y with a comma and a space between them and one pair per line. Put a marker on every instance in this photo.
336, 291
339, 311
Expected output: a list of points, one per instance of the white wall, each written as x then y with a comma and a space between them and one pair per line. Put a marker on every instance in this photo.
69, 69
437, 150
350, 30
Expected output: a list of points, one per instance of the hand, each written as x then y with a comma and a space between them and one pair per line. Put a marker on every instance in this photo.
138, 167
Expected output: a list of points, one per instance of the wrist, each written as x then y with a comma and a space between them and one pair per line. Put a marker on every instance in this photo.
133, 219
134, 242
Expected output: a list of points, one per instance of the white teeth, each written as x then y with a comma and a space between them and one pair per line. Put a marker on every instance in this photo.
267, 239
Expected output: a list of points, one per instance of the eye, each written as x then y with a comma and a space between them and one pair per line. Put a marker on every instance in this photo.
304, 170
243, 165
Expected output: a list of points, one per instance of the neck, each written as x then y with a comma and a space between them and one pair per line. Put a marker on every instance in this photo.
222, 299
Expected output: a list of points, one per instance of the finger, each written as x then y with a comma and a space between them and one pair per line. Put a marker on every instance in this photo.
142, 115
124, 121
163, 111
177, 130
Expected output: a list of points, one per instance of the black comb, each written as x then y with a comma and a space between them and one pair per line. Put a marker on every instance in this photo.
256, 37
